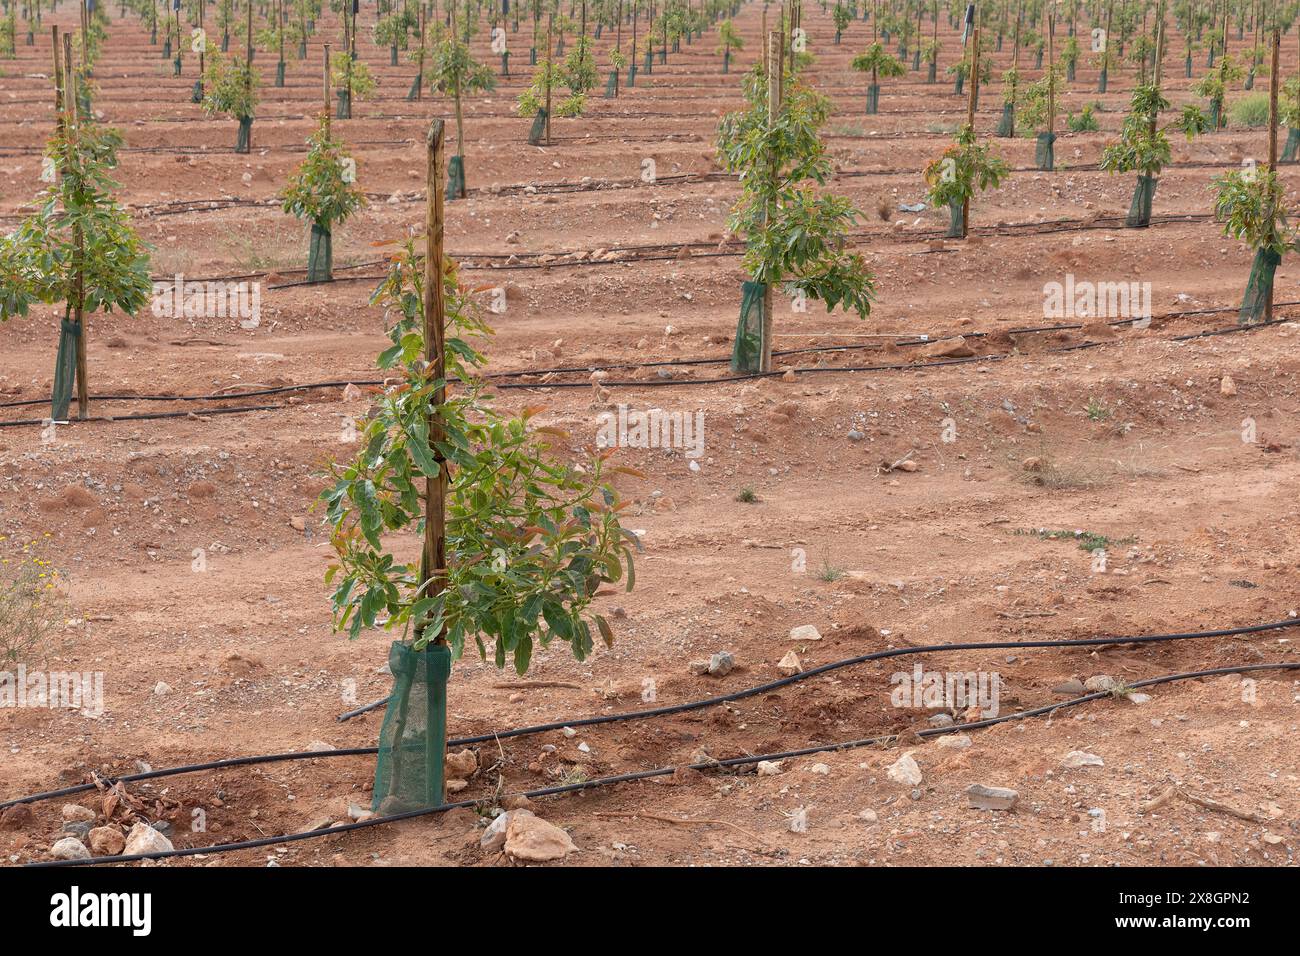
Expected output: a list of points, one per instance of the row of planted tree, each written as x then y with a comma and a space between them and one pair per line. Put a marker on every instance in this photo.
79, 249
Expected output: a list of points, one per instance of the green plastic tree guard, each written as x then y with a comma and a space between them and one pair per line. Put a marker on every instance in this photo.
413, 737
1259, 287
243, 142
320, 256
538, 132
1139, 211
65, 367
1044, 152
456, 177
747, 352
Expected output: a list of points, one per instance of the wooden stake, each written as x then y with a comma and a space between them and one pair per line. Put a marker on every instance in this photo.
775, 51
79, 240
327, 90
970, 112
1273, 80
434, 562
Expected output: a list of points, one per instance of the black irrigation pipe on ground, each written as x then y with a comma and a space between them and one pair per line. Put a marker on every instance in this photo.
899, 366
142, 417
701, 766
670, 709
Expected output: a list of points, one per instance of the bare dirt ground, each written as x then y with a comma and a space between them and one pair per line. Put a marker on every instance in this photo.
1134, 440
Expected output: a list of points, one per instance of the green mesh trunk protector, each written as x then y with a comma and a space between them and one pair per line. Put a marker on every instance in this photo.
1250, 80
392, 56
538, 131
611, 84
279, 73
176, 66
1292, 144
413, 738
933, 73
65, 368
631, 75
1101, 81
649, 61
1007, 124
873, 98
344, 110
1259, 287
1139, 212
1187, 66
959, 83
196, 92
916, 60
956, 221
1044, 153
1069, 71
726, 60
747, 353
456, 177
532, 56
1216, 108
167, 49
505, 63
244, 141
225, 43
320, 256
414, 91
302, 49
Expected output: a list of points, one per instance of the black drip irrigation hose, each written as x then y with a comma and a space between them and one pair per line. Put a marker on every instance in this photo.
658, 772
667, 710
650, 383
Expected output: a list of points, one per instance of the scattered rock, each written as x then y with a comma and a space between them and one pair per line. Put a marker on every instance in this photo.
1079, 758
805, 632
769, 768
319, 746
70, 848
145, 839
77, 828
106, 841
956, 347
904, 770
799, 820
820, 769
721, 663
162, 689
297, 523
460, 766
1070, 688
17, 817
1099, 683
789, 665
940, 720
494, 837
532, 839
954, 742
75, 811
991, 798
1227, 387
868, 816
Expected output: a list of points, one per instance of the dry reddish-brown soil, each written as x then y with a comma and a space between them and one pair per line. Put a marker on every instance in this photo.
1134, 440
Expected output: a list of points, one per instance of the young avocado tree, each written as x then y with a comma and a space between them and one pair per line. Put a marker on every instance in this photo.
878, 62
1143, 146
954, 177
323, 192
728, 39
517, 539
841, 17
353, 80
965, 166
1214, 87
78, 248
796, 234
1251, 204
231, 88
455, 72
